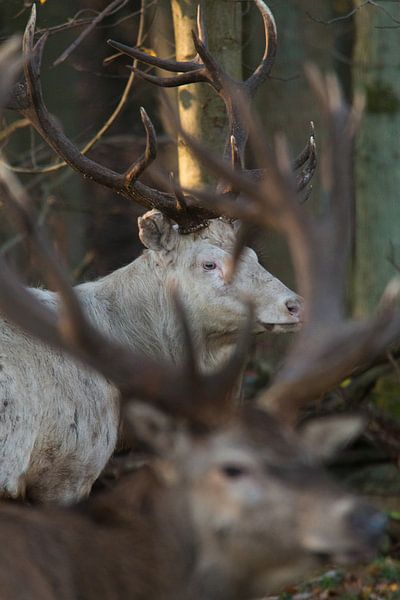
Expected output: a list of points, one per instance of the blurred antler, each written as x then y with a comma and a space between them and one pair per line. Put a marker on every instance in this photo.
329, 346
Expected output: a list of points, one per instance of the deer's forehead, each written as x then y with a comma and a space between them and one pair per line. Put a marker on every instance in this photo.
205, 246
237, 444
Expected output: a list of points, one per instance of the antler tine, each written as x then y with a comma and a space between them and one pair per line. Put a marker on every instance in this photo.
271, 36
308, 149
237, 163
169, 65
201, 25
149, 155
28, 99
307, 162
167, 82
179, 195
236, 159
308, 170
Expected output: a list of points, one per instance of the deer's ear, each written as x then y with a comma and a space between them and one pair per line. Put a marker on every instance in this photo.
325, 436
157, 232
151, 426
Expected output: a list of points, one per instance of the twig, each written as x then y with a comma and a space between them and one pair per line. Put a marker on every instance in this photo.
12, 128
116, 5
337, 19
352, 12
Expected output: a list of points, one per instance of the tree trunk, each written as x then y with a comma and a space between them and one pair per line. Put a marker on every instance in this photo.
377, 174
201, 112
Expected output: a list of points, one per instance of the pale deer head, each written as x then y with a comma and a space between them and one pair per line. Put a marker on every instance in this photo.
199, 263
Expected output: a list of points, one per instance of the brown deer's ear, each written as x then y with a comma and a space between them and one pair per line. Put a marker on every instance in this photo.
151, 426
157, 232
324, 437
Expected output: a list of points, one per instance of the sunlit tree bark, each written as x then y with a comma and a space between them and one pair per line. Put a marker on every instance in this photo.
201, 112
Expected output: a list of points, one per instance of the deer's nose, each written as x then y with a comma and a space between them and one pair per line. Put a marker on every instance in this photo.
294, 306
368, 522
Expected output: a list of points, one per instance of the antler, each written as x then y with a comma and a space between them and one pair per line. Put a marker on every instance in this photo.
329, 346
205, 68
27, 98
191, 215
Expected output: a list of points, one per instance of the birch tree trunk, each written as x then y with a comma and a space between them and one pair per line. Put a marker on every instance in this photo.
201, 112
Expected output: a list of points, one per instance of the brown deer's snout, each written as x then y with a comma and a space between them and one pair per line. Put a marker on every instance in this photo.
295, 306
367, 523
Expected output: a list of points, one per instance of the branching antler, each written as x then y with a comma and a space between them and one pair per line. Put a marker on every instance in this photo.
329, 346
28, 99
189, 213
205, 68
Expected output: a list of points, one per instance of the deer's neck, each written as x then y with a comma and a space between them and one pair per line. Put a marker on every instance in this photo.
135, 306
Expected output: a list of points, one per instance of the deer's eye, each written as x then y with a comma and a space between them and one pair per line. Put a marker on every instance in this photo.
209, 265
233, 471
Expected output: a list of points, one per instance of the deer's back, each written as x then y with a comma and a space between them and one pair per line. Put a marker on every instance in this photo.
58, 420
114, 550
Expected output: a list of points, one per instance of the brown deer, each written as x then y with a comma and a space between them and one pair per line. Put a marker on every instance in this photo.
186, 245
236, 503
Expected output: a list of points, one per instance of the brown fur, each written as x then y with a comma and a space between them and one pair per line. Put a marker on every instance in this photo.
185, 527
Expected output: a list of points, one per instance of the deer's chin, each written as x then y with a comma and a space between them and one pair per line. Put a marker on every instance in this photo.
347, 557
281, 327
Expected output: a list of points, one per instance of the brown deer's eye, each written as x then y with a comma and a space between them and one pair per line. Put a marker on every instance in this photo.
233, 471
209, 265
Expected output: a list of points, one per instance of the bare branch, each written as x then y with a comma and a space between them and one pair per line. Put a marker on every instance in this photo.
112, 7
